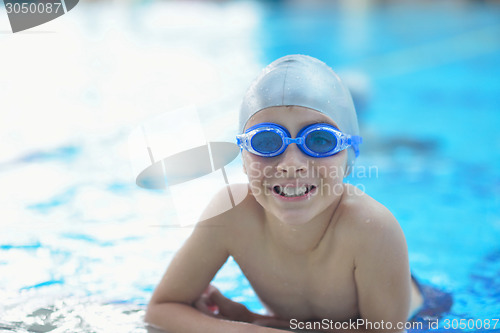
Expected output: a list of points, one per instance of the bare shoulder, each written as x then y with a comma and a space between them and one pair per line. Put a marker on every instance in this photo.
232, 210
380, 257
228, 201
369, 222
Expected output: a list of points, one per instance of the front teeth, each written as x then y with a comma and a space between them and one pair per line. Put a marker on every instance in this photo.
290, 191
294, 191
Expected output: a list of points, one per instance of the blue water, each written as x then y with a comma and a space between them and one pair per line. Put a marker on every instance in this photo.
82, 248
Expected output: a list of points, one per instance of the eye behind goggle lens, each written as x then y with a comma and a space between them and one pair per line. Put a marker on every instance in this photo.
267, 142
321, 141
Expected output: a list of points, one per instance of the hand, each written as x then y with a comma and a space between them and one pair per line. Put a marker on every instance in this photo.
213, 303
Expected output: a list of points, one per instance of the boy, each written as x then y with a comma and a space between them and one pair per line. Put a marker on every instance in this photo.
314, 249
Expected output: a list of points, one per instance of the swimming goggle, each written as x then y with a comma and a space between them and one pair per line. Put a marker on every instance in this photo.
316, 140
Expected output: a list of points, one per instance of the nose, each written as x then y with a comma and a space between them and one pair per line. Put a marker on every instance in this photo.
292, 161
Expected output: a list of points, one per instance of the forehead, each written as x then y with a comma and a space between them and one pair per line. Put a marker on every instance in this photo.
293, 118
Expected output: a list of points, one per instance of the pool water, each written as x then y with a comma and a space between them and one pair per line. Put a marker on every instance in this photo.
82, 248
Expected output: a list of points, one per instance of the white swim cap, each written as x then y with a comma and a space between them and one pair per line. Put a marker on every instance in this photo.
302, 80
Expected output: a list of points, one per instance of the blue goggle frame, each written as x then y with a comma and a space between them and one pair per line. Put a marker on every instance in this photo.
342, 141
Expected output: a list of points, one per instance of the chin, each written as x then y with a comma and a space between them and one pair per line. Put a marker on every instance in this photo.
291, 218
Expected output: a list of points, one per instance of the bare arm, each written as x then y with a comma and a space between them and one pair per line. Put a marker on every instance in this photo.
381, 273
188, 275
176, 317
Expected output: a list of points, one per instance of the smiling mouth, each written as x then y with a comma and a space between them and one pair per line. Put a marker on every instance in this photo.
292, 191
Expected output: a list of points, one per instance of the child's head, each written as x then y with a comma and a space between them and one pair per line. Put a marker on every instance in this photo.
297, 119
299, 80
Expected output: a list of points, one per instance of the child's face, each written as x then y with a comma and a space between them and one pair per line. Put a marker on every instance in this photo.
293, 186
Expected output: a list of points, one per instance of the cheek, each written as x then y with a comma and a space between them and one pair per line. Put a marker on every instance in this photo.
254, 166
340, 162
332, 168
256, 173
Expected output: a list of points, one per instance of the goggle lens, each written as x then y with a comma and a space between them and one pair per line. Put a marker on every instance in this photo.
321, 141
267, 142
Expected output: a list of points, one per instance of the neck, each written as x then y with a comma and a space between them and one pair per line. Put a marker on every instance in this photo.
304, 238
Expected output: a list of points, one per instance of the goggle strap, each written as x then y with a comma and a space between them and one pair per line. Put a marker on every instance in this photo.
354, 141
